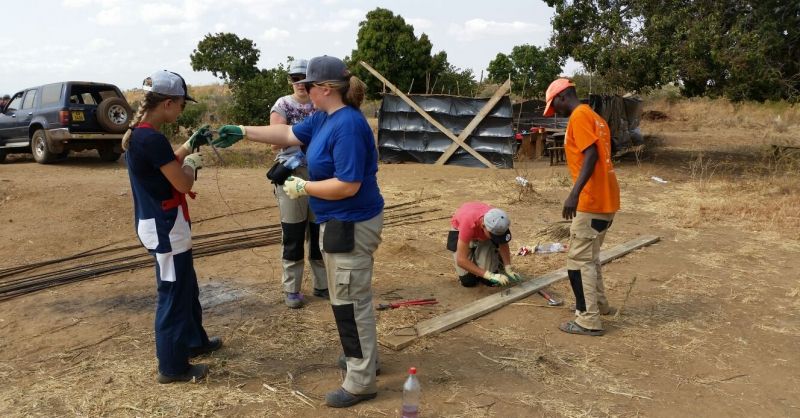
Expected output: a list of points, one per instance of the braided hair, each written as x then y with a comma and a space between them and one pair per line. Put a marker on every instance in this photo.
151, 100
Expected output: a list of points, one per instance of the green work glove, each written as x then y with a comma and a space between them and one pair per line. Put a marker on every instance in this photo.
229, 135
295, 187
513, 276
496, 279
193, 161
200, 137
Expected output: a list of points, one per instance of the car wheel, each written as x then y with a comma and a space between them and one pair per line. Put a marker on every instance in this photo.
108, 154
114, 114
41, 154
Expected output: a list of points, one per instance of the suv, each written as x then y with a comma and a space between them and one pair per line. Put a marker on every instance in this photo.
51, 120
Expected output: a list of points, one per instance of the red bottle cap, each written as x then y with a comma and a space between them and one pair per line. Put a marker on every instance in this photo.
412, 370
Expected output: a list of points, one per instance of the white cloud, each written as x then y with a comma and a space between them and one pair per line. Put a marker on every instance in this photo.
160, 12
275, 34
479, 28
100, 43
352, 14
419, 24
109, 17
76, 3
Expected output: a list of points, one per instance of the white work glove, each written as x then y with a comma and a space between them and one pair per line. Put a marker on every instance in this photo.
295, 187
513, 276
496, 279
193, 161
200, 137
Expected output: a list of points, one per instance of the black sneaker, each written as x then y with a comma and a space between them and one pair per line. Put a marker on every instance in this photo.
341, 398
342, 363
214, 344
322, 293
195, 373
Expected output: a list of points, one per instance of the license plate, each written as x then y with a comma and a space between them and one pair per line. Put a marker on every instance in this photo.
77, 116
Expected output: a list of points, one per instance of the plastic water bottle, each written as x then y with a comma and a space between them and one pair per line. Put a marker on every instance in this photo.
411, 395
295, 160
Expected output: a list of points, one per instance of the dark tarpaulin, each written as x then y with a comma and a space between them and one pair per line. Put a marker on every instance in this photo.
404, 135
622, 114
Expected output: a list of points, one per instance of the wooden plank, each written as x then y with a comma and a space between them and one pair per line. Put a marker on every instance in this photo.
476, 121
404, 337
428, 117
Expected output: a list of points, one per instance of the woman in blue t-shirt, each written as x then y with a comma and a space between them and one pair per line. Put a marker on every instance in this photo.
160, 179
347, 203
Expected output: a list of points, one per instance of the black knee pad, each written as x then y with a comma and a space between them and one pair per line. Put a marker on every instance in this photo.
469, 280
577, 288
348, 330
294, 235
313, 242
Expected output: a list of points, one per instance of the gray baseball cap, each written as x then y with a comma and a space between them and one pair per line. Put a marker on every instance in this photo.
497, 222
167, 83
298, 66
326, 68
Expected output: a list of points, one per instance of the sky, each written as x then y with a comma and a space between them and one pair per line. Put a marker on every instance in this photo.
123, 41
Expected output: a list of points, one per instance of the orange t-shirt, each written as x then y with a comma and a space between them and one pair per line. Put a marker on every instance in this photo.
601, 193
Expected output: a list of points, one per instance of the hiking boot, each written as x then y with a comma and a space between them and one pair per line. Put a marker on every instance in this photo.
342, 363
214, 344
571, 327
195, 373
294, 300
341, 398
322, 293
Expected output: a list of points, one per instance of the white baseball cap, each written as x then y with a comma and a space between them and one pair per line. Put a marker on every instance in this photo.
167, 83
298, 66
497, 222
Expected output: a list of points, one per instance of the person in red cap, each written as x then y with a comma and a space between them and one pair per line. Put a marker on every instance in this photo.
591, 204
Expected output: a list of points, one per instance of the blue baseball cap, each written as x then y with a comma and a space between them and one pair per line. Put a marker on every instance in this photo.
167, 83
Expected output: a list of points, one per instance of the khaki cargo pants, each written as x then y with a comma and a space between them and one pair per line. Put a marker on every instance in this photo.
587, 232
297, 225
350, 286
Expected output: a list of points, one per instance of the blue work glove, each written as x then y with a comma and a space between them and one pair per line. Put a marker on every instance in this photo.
200, 137
229, 135
295, 187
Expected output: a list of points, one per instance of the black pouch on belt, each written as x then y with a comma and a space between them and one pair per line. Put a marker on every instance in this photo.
339, 237
278, 173
452, 241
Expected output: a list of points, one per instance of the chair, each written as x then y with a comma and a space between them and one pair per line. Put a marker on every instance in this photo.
555, 149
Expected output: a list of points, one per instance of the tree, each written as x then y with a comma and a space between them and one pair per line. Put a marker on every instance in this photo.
740, 49
531, 69
227, 56
388, 44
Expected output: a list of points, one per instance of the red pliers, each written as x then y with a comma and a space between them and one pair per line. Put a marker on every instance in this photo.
411, 302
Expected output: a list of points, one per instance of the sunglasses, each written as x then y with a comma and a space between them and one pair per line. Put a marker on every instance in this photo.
297, 78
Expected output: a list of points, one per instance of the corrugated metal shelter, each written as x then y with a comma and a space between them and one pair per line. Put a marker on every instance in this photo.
405, 135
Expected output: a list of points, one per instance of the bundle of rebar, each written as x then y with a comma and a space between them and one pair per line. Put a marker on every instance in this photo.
75, 268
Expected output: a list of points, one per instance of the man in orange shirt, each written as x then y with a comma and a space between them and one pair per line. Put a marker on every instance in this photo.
591, 204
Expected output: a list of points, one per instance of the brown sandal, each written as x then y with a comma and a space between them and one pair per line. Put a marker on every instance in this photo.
571, 327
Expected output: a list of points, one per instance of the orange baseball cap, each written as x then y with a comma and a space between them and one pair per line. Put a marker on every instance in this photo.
552, 91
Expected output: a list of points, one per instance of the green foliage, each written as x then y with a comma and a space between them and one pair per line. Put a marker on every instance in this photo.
389, 45
192, 116
531, 69
227, 56
253, 98
739, 49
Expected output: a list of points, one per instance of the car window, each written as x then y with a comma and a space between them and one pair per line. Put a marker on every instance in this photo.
88, 99
30, 96
51, 95
16, 102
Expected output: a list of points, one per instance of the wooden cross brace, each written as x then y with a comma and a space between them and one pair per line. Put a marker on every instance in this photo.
459, 140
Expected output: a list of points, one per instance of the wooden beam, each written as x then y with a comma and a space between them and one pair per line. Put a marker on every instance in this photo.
428, 117
406, 336
476, 121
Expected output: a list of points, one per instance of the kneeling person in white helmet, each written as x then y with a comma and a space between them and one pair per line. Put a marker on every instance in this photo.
479, 241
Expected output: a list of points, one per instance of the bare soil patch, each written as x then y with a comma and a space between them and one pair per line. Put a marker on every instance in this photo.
710, 328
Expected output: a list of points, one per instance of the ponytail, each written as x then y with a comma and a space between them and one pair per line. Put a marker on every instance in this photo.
354, 92
151, 100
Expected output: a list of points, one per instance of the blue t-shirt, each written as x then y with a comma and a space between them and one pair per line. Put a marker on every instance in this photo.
160, 230
341, 145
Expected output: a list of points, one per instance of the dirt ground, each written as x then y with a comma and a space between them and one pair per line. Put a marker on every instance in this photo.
710, 327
